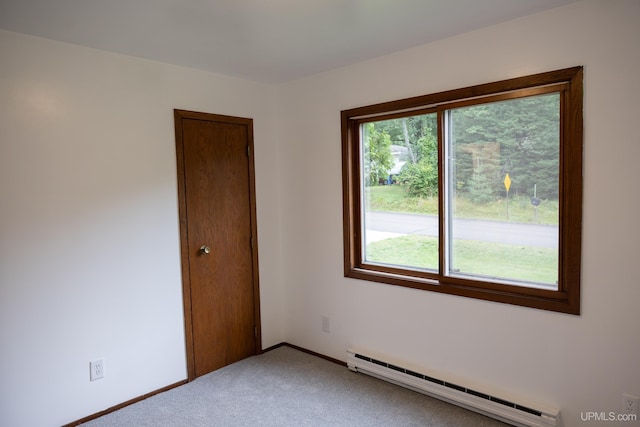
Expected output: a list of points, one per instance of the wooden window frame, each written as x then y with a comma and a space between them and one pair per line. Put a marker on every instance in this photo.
566, 298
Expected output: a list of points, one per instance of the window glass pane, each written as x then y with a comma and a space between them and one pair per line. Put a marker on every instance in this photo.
400, 192
503, 188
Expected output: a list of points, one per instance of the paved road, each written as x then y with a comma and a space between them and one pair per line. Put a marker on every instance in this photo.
536, 235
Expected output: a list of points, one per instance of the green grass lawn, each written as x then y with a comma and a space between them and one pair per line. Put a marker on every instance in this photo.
539, 265
393, 198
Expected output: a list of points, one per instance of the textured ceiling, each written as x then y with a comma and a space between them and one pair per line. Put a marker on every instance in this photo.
271, 41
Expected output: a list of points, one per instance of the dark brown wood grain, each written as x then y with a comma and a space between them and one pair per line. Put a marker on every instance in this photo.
569, 83
217, 210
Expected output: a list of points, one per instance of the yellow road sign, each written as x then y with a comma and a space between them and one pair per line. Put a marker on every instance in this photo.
507, 182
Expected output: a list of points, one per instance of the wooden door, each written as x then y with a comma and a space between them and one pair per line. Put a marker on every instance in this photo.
216, 195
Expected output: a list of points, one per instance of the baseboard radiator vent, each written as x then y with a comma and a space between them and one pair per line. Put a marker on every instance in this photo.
497, 407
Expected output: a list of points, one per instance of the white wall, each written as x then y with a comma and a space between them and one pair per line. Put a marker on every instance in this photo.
89, 244
579, 363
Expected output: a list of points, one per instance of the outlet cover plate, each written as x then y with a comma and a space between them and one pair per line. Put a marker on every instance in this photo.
96, 369
629, 404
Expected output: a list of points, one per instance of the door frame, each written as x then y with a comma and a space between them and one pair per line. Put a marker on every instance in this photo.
179, 116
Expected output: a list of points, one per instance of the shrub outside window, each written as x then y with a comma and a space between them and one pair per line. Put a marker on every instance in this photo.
474, 191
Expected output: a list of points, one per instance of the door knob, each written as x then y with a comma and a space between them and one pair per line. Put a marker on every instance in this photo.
205, 249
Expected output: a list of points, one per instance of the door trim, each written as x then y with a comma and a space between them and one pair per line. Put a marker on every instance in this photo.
179, 116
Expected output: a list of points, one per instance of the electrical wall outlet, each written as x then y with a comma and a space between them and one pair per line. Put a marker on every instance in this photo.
325, 324
96, 369
629, 404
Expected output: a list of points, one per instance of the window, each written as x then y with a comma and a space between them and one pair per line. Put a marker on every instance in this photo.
474, 192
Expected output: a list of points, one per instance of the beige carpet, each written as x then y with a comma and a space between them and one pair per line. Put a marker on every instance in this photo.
286, 387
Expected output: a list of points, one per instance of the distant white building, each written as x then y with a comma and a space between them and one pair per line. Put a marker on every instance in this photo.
400, 156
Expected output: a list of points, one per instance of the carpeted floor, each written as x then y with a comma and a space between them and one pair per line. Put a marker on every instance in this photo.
286, 387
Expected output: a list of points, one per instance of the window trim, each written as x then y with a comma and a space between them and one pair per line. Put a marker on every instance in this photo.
567, 298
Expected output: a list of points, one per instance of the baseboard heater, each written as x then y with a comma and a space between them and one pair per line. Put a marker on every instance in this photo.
497, 407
